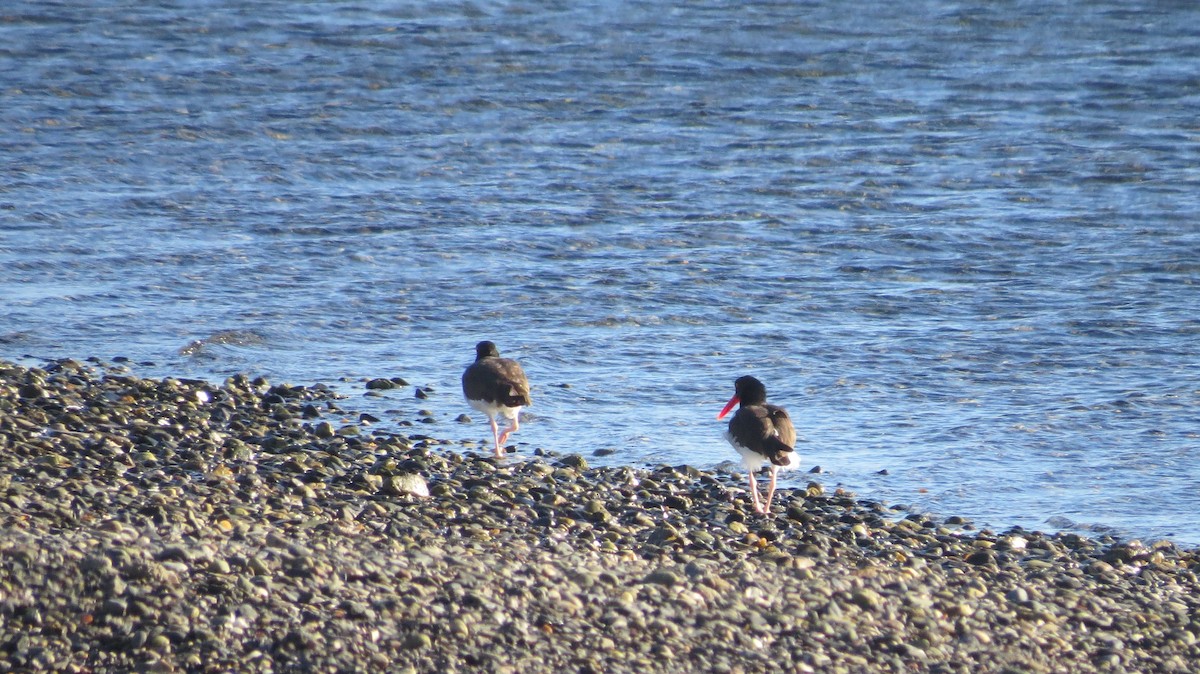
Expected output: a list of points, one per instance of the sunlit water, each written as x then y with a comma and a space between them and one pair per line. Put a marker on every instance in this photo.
961, 244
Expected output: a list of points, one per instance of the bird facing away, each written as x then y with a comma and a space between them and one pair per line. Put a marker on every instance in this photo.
497, 387
762, 433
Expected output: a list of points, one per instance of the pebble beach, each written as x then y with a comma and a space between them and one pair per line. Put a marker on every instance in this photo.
181, 525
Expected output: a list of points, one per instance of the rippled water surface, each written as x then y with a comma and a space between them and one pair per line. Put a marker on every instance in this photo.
961, 243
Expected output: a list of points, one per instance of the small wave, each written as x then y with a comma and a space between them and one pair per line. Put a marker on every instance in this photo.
225, 337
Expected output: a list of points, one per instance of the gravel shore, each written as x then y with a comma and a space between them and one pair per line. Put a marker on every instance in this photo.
178, 525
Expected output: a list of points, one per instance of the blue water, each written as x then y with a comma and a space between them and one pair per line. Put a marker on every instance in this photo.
959, 242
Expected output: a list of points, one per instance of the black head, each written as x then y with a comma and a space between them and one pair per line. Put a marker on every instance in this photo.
486, 349
749, 390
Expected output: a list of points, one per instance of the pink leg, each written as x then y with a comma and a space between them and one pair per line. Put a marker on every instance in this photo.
496, 436
771, 491
754, 494
516, 425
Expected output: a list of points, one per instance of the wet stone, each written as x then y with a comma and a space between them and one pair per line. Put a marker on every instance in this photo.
152, 533
666, 577
575, 461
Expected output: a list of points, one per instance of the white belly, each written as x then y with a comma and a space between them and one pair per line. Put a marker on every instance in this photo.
752, 460
494, 410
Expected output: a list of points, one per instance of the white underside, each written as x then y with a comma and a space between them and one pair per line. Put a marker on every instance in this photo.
752, 460
494, 410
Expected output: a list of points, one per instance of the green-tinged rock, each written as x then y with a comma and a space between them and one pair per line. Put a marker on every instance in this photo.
665, 577
868, 599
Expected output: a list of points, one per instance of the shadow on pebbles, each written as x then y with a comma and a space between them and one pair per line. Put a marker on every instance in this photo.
178, 525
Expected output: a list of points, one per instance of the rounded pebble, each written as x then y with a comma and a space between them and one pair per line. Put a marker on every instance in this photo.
181, 525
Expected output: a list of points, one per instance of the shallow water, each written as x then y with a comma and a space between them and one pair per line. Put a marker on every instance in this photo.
959, 243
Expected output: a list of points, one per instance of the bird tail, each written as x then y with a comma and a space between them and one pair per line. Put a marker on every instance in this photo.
778, 452
515, 398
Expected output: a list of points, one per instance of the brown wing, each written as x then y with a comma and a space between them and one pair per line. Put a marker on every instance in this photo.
782, 424
496, 380
764, 429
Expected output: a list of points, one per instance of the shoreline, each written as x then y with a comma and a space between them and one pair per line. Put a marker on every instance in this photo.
179, 525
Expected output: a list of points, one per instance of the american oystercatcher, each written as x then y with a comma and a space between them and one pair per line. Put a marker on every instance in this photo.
497, 387
761, 433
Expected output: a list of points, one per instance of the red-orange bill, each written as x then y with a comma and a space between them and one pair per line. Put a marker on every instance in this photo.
728, 406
